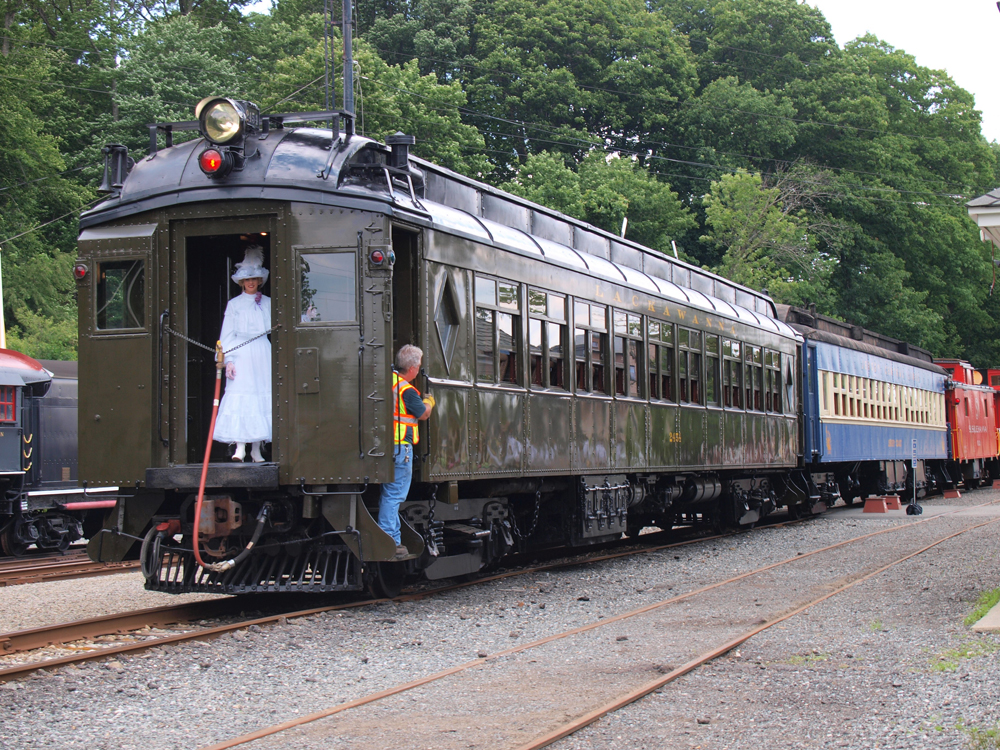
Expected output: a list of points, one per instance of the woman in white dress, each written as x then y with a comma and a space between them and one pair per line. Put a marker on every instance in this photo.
245, 411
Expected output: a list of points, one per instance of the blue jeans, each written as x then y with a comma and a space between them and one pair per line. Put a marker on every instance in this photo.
394, 493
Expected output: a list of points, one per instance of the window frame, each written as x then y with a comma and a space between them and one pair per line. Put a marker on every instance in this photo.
545, 321
690, 357
588, 361
665, 340
497, 308
124, 258
300, 252
8, 406
633, 342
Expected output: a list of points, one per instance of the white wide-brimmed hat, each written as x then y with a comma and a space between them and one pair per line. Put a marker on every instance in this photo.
252, 266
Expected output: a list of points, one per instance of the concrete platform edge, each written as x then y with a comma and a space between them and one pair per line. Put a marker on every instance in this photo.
990, 623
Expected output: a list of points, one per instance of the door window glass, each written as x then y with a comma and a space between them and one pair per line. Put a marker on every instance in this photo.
121, 294
327, 288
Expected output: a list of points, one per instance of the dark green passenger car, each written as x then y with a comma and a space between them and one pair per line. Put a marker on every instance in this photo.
586, 386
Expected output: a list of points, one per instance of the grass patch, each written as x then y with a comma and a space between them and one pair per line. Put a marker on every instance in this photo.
984, 739
875, 626
948, 661
797, 660
987, 600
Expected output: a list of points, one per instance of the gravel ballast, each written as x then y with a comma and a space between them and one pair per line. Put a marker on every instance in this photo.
888, 663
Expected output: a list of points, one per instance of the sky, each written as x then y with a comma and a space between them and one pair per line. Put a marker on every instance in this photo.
957, 36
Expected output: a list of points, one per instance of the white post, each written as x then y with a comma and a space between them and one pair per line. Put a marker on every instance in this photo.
3, 326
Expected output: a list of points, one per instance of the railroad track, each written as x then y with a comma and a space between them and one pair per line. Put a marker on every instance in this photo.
132, 628
515, 695
44, 568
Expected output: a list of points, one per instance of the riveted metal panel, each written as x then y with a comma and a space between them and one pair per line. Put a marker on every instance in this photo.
500, 430
662, 444
713, 423
549, 446
692, 431
342, 433
451, 193
733, 449
658, 267
307, 370
117, 400
591, 243
447, 432
626, 255
756, 439
503, 211
593, 434
630, 434
703, 283
551, 228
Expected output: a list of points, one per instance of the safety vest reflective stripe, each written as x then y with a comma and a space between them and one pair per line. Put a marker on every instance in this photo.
401, 418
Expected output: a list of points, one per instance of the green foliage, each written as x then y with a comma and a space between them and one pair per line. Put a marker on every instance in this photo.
984, 739
40, 246
832, 175
987, 601
164, 72
569, 76
767, 242
949, 660
604, 191
389, 98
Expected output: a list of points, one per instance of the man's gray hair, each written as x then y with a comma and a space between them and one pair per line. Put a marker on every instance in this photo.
407, 357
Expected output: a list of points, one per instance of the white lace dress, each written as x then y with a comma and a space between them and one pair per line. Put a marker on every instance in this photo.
245, 411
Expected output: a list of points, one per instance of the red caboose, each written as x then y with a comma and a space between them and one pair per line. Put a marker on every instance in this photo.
971, 409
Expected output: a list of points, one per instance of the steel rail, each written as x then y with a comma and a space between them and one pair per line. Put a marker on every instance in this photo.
120, 624
68, 573
589, 718
375, 697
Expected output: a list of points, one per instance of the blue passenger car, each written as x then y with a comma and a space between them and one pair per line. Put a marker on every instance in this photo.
870, 405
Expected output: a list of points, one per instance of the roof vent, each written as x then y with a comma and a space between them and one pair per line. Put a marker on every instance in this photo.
400, 144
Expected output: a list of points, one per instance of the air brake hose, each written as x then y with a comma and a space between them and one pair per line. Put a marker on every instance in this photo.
220, 364
220, 567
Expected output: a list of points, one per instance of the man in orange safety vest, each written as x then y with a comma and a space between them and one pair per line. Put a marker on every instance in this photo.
408, 409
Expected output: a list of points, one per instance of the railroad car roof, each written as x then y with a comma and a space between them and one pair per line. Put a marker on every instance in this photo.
61, 368
20, 369
288, 167
821, 328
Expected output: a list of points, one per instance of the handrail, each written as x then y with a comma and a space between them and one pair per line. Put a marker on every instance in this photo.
159, 381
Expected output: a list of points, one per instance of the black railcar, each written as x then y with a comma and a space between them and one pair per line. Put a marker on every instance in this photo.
41, 504
586, 386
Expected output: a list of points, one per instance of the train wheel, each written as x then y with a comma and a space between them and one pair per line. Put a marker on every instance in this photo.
384, 579
11, 545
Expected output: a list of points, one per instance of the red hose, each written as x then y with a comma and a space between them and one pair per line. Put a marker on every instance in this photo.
219, 365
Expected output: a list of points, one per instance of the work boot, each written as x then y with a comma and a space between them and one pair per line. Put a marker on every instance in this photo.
401, 552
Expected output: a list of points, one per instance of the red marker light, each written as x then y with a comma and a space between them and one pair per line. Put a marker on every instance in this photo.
79, 271
377, 257
210, 160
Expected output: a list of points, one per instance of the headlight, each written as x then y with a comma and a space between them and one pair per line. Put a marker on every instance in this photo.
220, 120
